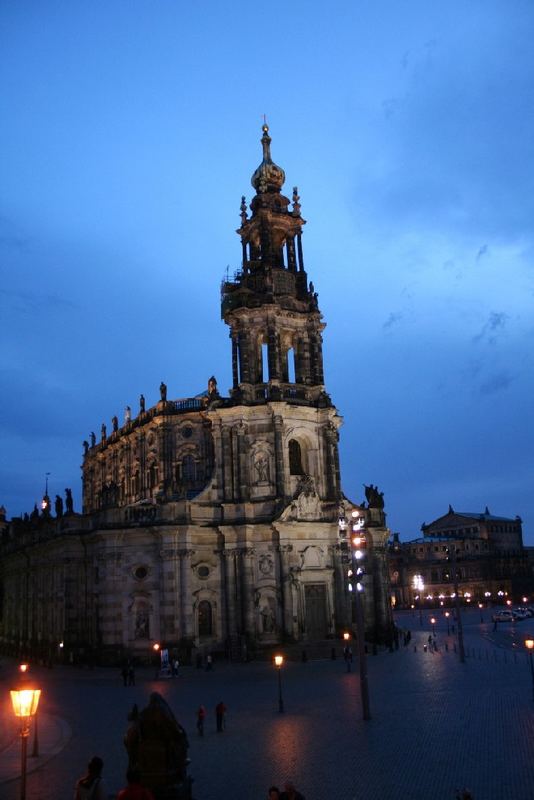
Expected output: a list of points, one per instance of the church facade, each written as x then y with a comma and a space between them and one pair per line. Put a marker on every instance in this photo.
211, 522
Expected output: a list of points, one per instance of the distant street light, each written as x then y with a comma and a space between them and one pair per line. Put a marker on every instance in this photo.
24, 700
419, 585
279, 660
433, 623
529, 644
447, 615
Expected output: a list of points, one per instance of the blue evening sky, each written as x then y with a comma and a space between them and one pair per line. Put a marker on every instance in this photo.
129, 133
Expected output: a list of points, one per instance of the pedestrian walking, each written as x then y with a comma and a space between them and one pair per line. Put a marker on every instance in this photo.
131, 675
220, 711
175, 665
135, 790
201, 716
209, 662
91, 786
347, 655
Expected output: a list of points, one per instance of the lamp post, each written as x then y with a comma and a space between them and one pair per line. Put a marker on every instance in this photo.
529, 644
155, 648
419, 585
447, 615
452, 553
433, 623
279, 660
24, 700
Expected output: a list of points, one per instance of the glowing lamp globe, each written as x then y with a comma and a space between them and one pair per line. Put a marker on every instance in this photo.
25, 701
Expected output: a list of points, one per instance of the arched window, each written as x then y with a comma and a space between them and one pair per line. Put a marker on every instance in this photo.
205, 625
295, 458
188, 469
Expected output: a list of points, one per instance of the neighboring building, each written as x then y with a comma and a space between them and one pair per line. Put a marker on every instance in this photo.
491, 562
209, 522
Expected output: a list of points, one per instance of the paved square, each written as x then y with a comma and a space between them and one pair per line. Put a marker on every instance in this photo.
436, 724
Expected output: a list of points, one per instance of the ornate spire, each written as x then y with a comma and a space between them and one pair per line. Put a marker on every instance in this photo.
269, 177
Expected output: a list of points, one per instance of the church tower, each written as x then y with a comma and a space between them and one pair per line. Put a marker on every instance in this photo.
276, 333
272, 312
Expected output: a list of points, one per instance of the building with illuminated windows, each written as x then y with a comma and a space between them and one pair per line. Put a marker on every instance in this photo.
491, 562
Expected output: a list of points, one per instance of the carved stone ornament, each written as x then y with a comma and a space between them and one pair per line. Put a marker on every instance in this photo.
306, 504
265, 564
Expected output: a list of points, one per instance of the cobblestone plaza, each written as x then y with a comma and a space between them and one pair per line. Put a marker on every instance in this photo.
436, 724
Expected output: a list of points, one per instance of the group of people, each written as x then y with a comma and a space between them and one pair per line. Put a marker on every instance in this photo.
128, 674
289, 793
220, 717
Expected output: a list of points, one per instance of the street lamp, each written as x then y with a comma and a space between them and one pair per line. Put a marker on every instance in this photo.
447, 615
24, 700
480, 606
279, 660
419, 585
529, 644
433, 623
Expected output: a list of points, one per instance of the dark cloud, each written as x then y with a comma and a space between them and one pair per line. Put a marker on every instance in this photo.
393, 319
494, 325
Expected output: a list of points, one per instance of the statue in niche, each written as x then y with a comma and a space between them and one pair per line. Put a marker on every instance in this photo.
115, 423
261, 465
141, 624
127, 415
268, 618
103, 431
163, 392
58, 505
68, 501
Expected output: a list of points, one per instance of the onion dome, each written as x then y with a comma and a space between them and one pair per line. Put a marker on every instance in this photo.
268, 177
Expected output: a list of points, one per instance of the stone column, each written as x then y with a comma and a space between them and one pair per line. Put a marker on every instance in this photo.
235, 356
228, 472
218, 459
284, 551
230, 560
247, 590
186, 598
234, 461
330, 438
279, 456
242, 459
